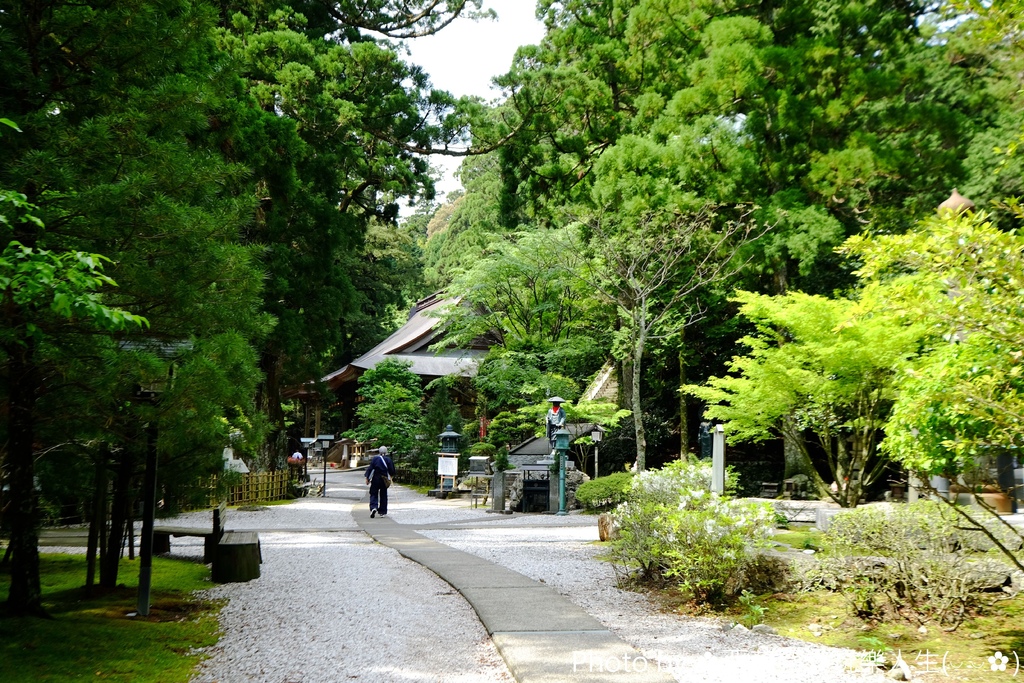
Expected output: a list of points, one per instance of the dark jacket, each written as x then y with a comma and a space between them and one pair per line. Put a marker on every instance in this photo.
378, 467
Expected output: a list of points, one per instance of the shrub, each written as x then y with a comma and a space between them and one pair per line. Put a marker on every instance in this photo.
906, 560
483, 448
673, 528
604, 492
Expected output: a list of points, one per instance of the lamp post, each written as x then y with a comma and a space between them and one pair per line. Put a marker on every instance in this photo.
561, 445
147, 394
449, 440
595, 436
325, 443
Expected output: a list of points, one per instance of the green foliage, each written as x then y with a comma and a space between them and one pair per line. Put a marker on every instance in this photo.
390, 414
905, 560
753, 613
501, 462
673, 528
524, 289
39, 281
482, 448
960, 279
813, 367
734, 88
441, 411
514, 379
512, 428
605, 492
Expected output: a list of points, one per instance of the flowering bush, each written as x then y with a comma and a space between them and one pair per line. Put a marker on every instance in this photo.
673, 528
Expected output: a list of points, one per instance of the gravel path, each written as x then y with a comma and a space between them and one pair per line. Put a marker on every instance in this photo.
332, 605
335, 606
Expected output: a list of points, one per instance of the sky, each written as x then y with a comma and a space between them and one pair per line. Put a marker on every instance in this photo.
466, 55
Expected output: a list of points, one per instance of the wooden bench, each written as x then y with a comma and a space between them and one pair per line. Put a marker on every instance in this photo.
162, 534
237, 557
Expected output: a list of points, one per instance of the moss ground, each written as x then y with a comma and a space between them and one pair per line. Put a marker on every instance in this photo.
935, 654
92, 638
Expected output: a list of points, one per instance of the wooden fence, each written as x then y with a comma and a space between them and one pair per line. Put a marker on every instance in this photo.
256, 487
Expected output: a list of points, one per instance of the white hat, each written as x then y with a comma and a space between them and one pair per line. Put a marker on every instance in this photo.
383, 450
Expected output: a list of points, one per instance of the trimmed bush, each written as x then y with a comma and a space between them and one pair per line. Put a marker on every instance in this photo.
908, 561
606, 492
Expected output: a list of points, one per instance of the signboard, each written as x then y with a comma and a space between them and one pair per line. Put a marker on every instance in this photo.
448, 467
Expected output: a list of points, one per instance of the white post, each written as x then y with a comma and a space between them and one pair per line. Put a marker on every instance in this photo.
718, 461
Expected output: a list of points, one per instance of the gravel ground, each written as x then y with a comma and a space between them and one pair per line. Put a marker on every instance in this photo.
337, 606
694, 650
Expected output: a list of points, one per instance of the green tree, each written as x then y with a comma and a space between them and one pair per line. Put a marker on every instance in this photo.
512, 379
389, 414
959, 278
651, 268
440, 412
525, 291
40, 289
116, 108
331, 122
813, 369
791, 107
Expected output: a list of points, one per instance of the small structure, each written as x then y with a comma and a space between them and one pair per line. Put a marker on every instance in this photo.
480, 475
531, 451
536, 482
447, 463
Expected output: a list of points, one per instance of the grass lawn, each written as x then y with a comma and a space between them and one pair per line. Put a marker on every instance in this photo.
92, 638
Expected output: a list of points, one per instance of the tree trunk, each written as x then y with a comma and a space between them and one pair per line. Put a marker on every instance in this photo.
25, 595
638, 413
118, 514
684, 421
626, 383
796, 458
268, 401
98, 519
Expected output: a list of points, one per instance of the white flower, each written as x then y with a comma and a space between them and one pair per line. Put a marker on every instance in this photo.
998, 661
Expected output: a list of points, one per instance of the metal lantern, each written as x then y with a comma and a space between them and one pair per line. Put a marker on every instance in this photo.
561, 445
562, 439
450, 440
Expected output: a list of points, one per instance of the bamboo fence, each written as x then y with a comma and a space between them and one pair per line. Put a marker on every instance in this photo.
255, 487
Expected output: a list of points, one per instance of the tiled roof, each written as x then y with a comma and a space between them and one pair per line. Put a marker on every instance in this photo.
411, 343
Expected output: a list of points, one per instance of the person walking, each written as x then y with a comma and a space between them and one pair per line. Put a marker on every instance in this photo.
378, 476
